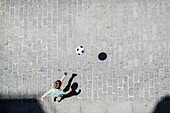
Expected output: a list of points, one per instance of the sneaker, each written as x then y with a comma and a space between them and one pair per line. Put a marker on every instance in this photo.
58, 100
65, 73
55, 99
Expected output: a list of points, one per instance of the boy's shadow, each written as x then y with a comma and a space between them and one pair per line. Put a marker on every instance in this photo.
74, 86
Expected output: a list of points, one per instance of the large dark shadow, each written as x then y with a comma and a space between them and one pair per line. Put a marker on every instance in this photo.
20, 106
163, 106
74, 86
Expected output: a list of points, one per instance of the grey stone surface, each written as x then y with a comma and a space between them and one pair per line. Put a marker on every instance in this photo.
143, 107
133, 33
95, 107
9, 108
121, 107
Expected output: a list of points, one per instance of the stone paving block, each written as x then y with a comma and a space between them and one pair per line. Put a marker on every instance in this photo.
147, 107
93, 108
65, 107
127, 107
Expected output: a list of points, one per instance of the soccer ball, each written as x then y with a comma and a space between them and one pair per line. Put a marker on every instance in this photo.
79, 50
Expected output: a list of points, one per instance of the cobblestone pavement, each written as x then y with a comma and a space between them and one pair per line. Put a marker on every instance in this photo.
133, 33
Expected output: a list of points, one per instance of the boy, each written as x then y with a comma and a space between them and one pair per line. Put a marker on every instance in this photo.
58, 93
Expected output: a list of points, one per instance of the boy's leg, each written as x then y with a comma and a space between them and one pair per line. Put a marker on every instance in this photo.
62, 79
59, 99
69, 83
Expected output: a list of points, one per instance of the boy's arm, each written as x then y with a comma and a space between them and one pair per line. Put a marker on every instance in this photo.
42, 98
62, 79
68, 91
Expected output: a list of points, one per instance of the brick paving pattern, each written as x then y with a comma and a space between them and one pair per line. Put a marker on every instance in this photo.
133, 33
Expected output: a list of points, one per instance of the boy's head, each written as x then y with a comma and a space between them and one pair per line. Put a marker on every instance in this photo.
57, 84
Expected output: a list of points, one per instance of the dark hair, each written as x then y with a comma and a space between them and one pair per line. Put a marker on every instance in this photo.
57, 84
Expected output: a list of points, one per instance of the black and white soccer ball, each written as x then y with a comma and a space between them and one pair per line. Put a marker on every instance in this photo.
80, 50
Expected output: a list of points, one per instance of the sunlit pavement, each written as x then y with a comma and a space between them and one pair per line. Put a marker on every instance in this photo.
37, 45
